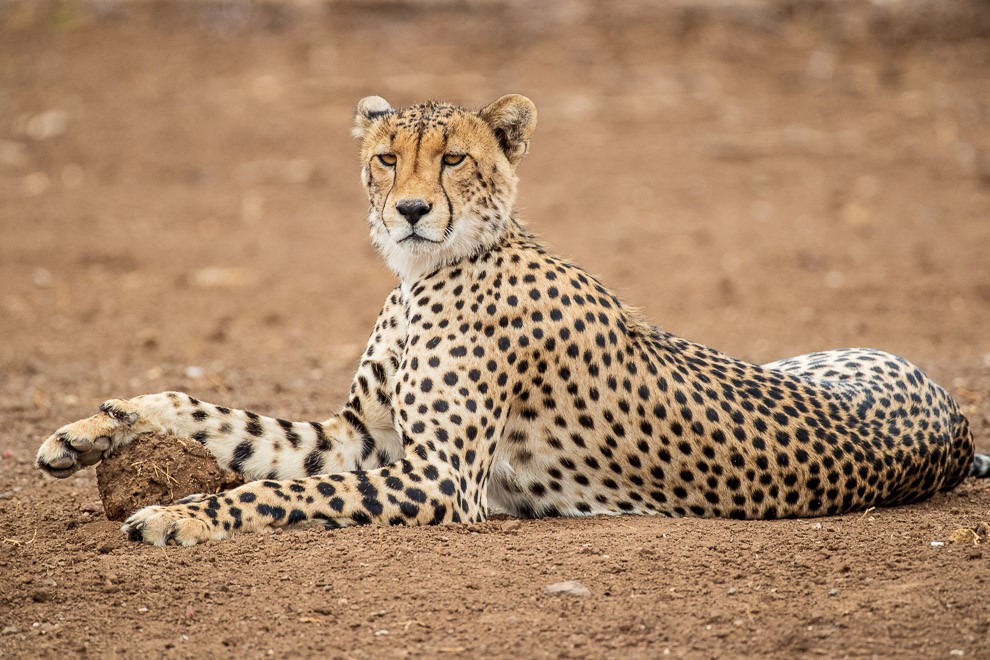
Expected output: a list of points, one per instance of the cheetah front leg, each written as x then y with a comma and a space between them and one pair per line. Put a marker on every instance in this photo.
251, 445
362, 435
442, 478
404, 493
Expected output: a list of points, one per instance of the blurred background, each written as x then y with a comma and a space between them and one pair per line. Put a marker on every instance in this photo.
180, 204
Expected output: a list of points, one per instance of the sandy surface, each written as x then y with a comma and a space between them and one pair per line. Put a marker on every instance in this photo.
180, 209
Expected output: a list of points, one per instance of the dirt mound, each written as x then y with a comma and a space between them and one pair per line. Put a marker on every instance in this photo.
158, 469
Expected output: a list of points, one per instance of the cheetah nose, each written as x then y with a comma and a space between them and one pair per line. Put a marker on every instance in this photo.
413, 209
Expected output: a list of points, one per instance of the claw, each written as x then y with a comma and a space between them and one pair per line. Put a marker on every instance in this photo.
102, 443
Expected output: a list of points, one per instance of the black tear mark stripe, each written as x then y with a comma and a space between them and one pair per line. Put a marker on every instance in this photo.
450, 205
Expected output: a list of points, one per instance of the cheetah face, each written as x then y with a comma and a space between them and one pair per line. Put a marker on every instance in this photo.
440, 179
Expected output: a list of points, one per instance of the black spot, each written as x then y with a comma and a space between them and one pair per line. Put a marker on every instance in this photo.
242, 452
314, 462
275, 512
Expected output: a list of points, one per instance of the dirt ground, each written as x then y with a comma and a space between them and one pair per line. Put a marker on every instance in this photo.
180, 209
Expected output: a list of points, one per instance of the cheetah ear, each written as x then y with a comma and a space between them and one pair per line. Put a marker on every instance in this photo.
513, 119
369, 110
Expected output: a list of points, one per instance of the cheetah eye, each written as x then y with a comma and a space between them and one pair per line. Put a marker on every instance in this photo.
388, 160
453, 160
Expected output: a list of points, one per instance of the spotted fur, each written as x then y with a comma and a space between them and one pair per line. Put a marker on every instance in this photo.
500, 376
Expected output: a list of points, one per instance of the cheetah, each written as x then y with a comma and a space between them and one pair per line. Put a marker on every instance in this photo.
499, 376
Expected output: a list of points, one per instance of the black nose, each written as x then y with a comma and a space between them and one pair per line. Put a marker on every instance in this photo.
413, 209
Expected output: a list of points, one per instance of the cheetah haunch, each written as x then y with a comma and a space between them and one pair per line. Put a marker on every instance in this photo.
501, 376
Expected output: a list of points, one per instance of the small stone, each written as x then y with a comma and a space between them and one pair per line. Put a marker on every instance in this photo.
107, 547
937, 544
42, 278
568, 588
10, 630
511, 526
833, 592
42, 595
834, 279
92, 507
732, 591
48, 124
219, 277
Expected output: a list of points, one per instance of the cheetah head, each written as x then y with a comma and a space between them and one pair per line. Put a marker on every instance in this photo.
440, 179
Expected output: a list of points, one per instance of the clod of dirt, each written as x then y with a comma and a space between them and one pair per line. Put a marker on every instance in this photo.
158, 469
965, 535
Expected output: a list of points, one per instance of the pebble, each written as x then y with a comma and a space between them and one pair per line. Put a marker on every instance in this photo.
511, 526
10, 630
568, 588
219, 277
42, 595
91, 507
107, 547
48, 124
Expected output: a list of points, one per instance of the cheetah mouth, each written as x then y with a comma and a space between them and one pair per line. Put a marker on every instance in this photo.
417, 239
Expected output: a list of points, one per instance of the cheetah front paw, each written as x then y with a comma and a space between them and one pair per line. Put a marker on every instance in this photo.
161, 525
89, 440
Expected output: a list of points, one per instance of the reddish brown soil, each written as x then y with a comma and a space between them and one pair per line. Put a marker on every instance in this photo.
158, 469
178, 189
